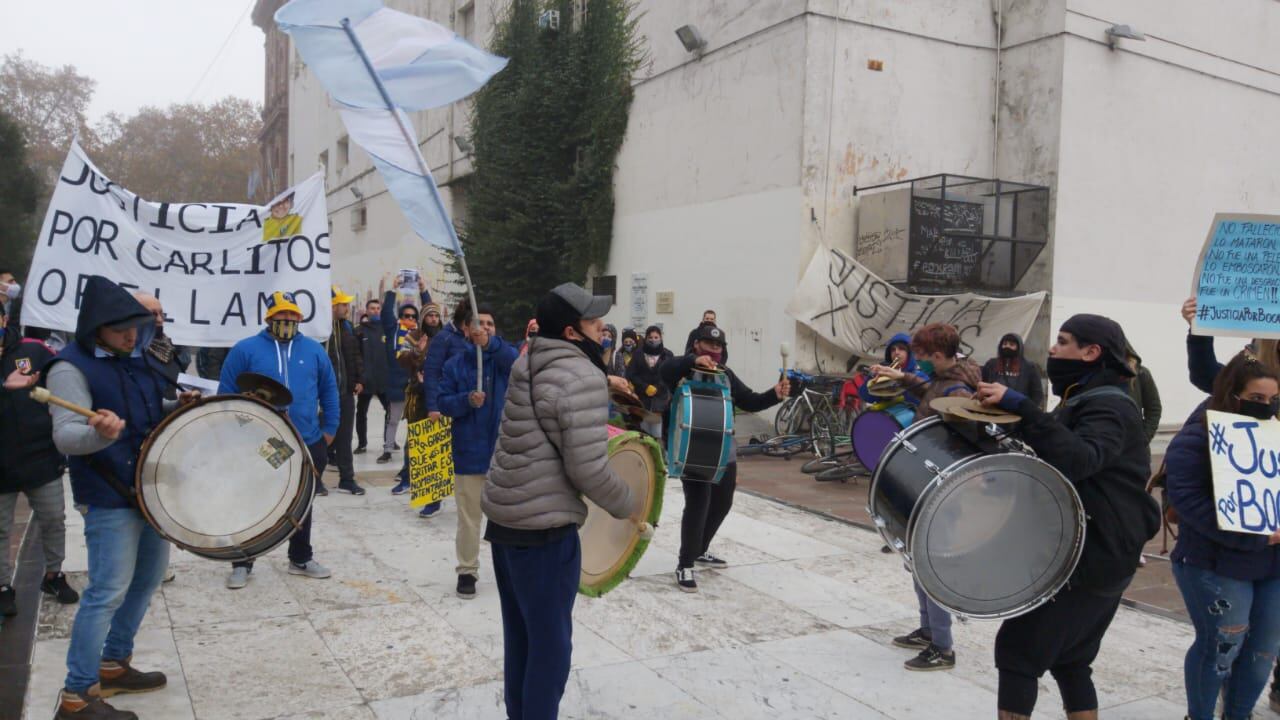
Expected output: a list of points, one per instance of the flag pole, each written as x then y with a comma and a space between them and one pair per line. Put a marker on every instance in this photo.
431, 190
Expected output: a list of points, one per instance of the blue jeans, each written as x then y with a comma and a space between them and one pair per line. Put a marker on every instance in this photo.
934, 619
536, 587
1237, 626
127, 560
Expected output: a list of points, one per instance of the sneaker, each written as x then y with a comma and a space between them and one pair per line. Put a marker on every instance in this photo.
169, 574
467, 587
311, 569
238, 578
88, 706
8, 601
919, 639
429, 510
321, 489
351, 487
359, 451
57, 586
385, 457
401, 488
931, 658
711, 561
886, 549
685, 581
117, 677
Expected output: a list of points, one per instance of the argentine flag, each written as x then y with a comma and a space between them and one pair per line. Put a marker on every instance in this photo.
380, 55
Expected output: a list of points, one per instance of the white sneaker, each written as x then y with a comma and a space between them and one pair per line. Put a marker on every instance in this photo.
238, 578
312, 569
169, 574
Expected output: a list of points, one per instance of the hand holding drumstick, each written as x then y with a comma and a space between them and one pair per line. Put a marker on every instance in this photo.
106, 423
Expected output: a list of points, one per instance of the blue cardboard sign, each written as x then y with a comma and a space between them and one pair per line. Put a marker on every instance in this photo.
1237, 281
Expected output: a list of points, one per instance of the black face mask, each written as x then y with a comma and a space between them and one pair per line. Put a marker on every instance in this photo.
1259, 410
1008, 353
594, 351
653, 347
1064, 373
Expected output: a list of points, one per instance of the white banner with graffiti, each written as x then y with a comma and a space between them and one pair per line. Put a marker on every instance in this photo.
850, 306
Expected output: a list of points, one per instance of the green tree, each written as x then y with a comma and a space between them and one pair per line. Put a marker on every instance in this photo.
51, 105
20, 190
546, 132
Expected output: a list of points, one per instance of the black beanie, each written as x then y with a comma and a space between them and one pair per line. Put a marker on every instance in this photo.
1102, 331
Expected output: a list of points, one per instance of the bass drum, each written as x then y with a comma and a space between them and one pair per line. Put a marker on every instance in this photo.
987, 534
612, 547
226, 477
873, 431
701, 428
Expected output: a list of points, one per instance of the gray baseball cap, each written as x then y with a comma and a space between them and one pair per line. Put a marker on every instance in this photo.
586, 304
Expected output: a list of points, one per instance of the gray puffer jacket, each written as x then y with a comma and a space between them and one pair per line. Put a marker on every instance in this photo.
531, 485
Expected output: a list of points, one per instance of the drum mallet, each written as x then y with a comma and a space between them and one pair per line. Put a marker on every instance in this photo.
646, 530
43, 395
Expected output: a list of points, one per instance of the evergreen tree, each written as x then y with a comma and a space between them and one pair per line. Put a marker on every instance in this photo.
20, 190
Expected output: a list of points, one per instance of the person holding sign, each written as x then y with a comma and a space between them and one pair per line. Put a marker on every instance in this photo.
1229, 580
476, 415
1095, 438
553, 448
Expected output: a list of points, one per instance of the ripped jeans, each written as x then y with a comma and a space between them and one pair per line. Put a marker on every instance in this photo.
1237, 626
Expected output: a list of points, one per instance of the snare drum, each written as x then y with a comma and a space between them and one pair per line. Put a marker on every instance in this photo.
612, 547
873, 430
987, 534
701, 429
226, 477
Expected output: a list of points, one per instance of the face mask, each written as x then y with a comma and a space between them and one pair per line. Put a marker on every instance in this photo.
593, 351
715, 355
1064, 373
926, 366
607, 343
652, 344
13, 291
1259, 410
1008, 353
283, 330
628, 345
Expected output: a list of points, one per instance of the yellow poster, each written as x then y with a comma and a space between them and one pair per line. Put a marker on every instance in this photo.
430, 449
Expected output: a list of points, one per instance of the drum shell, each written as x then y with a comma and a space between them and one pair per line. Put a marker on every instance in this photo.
700, 439
611, 547
873, 427
168, 459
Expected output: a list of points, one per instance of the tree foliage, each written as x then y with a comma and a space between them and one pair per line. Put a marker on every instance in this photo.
52, 107
546, 132
20, 189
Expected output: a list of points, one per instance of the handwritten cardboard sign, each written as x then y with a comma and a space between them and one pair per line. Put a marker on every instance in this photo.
1245, 456
1237, 280
430, 449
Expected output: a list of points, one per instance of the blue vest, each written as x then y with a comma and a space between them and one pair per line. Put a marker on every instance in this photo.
131, 389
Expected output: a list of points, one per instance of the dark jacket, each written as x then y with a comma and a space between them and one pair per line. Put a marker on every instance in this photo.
642, 375
373, 351
912, 369
475, 430
26, 429
688, 344
131, 387
744, 398
1189, 483
447, 343
171, 360
1021, 375
396, 376
1202, 363
344, 352
1095, 438
1142, 389
209, 362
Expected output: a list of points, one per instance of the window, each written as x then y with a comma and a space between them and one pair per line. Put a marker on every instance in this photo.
359, 217
344, 152
605, 285
465, 23
324, 161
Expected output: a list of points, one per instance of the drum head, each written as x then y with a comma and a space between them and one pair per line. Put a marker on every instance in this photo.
997, 537
219, 474
871, 433
612, 547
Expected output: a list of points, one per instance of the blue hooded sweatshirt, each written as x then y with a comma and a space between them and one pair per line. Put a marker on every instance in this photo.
475, 430
450, 341
309, 376
912, 368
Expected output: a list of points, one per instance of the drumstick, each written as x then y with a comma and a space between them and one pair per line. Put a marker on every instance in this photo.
646, 530
42, 395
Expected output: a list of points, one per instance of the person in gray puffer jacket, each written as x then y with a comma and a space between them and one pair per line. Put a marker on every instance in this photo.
552, 449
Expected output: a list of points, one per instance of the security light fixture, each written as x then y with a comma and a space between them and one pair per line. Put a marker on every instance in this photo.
463, 144
1115, 32
356, 191
691, 38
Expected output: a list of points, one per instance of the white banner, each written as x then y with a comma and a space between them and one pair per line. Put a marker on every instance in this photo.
848, 305
211, 264
1246, 486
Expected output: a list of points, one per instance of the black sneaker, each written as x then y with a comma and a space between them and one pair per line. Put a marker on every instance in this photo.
57, 586
359, 451
931, 658
711, 561
88, 706
321, 489
684, 579
467, 587
385, 457
8, 601
117, 677
351, 487
919, 639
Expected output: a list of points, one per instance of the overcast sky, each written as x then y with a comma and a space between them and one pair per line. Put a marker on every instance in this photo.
143, 52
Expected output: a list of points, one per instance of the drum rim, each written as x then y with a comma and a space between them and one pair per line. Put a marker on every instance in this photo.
651, 514
1076, 551
876, 519
212, 553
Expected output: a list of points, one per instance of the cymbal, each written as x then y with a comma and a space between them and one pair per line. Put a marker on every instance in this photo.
971, 409
629, 403
264, 388
886, 389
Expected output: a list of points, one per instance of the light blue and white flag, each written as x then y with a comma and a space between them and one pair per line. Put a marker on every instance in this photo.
376, 63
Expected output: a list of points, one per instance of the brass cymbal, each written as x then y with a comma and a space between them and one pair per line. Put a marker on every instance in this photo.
971, 409
264, 388
886, 389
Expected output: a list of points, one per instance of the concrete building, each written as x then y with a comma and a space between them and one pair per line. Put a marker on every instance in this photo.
742, 156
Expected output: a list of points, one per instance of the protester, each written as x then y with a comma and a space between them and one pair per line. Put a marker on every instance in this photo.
706, 505
645, 375
170, 359
1142, 388
209, 362
32, 466
1229, 580
530, 330
708, 318
896, 353
477, 415
373, 353
622, 358
396, 323
1011, 368
552, 450
450, 341
411, 352
282, 353
608, 342
105, 368
344, 354
1095, 438
10, 292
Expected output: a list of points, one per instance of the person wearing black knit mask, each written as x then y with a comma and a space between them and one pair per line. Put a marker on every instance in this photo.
1095, 438
644, 374
1011, 368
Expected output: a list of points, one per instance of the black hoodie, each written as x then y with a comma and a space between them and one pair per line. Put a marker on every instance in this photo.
1022, 375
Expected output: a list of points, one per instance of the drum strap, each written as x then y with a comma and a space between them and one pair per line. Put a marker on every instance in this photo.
125, 491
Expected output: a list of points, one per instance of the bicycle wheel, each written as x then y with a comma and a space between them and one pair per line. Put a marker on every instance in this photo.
783, 418
750, 449
784, 446
839, 473
823, 431
817, 465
